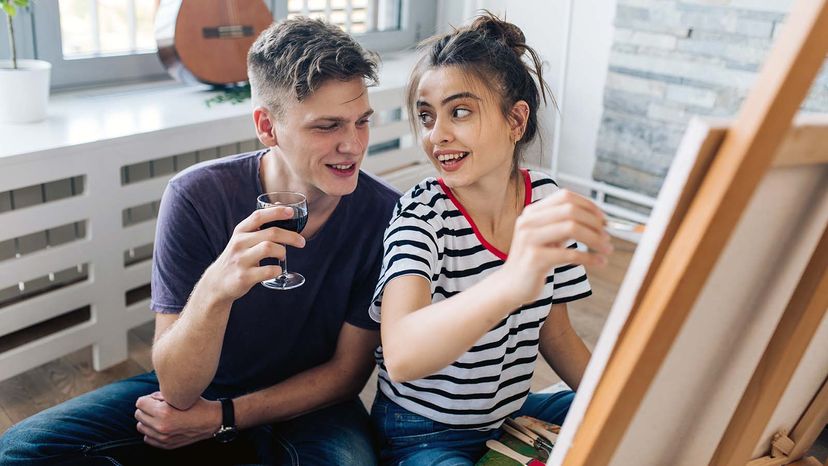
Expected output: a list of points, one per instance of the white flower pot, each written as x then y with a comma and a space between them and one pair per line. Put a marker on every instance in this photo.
24, 92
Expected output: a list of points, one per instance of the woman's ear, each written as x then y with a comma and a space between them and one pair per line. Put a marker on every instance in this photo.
518, 118
265, 126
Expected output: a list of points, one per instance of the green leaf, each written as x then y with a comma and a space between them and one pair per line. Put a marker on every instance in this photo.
232, 94
10, 9
11, 6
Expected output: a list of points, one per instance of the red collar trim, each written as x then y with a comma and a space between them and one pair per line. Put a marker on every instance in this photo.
527, 199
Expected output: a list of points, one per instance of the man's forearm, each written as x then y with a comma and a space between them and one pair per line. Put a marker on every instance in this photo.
187, 355
313, 389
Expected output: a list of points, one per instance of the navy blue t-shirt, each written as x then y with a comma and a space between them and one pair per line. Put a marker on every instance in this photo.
271, 335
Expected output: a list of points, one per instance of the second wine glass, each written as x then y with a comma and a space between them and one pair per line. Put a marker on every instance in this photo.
299, 203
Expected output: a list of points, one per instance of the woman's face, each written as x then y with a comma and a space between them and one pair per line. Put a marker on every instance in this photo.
462, 128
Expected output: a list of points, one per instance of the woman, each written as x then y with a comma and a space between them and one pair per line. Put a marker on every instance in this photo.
479, 264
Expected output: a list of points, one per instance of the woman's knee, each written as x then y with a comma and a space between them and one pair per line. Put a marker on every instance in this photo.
436, 457
548, 407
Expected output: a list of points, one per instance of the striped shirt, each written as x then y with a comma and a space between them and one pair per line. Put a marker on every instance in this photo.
431, 235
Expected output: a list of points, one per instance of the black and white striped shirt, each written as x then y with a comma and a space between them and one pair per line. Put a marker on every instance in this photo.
431, 235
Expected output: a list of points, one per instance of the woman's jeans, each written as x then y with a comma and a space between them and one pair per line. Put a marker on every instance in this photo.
408, 439
98, 428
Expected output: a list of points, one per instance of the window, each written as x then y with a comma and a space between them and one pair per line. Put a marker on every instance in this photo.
354, 16
106, 27
92, 42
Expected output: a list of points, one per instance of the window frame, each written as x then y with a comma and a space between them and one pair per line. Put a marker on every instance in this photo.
79, 72
418, 18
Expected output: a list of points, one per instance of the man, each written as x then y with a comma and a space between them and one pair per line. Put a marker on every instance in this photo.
246, 374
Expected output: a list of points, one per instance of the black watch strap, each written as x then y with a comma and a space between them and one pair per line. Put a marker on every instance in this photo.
228, 414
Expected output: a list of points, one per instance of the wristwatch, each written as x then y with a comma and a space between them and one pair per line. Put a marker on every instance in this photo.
227, 432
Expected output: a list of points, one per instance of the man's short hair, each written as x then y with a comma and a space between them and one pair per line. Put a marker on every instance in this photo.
293, 58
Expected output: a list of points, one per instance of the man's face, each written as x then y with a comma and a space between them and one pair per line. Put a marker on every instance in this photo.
322, 140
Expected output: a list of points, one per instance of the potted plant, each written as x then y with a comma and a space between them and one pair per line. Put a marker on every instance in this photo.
24, 84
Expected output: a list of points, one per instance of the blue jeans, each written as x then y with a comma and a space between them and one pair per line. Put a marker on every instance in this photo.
408, 439
98, 428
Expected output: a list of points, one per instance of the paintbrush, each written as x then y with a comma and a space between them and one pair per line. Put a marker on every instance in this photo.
537, 441
518, 435
509, 453
618, 224
539, 428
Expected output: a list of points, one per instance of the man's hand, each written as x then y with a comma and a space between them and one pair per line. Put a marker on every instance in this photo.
237, 269
166, 427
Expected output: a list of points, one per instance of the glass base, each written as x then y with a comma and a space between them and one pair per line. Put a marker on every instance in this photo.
285, 281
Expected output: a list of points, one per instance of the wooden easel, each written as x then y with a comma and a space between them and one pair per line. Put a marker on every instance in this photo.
657, 308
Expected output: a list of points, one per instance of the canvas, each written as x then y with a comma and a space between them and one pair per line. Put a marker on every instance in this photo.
718, 339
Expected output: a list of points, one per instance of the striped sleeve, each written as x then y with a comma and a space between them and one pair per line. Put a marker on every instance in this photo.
570, 282
410, 247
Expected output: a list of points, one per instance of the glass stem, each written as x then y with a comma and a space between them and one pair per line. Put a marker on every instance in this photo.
283, 263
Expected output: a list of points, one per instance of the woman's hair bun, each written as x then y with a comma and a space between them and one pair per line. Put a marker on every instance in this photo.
494, 27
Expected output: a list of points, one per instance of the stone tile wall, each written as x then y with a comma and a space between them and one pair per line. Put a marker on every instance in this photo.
671, 60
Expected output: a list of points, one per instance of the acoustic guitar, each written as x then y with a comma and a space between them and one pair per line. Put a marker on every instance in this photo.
207, 40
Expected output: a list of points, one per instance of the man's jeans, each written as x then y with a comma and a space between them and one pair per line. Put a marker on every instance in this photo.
408, 439
98, 428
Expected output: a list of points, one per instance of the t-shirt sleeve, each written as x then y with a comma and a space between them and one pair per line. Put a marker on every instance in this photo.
570, 282
181, 252
410, 247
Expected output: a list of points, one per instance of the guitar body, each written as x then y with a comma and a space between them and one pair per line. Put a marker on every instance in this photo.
207, 40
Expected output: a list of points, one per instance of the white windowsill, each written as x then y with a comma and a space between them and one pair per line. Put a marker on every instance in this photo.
101, 115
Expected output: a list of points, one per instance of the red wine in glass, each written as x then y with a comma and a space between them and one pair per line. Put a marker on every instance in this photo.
296, 223
296, 201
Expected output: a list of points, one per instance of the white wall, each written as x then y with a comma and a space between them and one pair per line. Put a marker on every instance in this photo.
544, 23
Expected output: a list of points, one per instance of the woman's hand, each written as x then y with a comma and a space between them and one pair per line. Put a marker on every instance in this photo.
541, 235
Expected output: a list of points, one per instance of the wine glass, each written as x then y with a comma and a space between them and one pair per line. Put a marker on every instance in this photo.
299, 203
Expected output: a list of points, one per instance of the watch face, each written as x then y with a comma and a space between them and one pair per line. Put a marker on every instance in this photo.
225, 434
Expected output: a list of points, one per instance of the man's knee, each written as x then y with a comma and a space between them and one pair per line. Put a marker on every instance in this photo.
339, 434
70, 428
29, 440
348, 447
